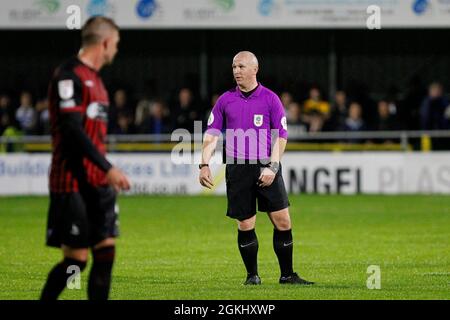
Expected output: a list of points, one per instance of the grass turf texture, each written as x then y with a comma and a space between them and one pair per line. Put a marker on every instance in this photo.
185, 248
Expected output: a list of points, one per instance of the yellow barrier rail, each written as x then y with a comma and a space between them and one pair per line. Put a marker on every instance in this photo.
292, 146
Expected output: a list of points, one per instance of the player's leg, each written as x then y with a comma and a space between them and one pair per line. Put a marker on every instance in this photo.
248, 248
104, 229
66, 229
274, 200
283, 245
103, 254
282, 240
74, 260
242, 207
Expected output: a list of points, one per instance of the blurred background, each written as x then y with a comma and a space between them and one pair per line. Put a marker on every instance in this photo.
345, 88
367, 165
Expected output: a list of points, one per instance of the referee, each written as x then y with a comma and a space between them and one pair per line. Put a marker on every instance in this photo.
83, 184
256, 136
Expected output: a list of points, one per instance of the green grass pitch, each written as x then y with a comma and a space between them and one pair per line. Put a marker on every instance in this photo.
185, 248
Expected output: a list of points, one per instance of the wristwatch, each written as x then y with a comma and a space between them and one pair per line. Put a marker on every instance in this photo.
274, 166
203, 165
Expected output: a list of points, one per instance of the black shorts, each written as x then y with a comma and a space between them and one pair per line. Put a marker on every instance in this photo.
81, 220
243, 191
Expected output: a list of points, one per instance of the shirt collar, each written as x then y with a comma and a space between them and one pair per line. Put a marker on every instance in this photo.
254, 94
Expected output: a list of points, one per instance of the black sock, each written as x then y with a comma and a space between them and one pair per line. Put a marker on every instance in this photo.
248, 247
100, 275
57, 278
283, 247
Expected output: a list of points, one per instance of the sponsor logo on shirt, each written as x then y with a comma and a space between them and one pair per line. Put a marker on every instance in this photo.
96, 111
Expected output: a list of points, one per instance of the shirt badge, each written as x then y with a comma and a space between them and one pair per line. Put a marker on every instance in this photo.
284, 123
258, 120
65, 89
211, 119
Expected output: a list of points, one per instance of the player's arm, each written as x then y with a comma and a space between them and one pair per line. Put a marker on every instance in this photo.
210, 139
209, 145
277, 122
78, 144
278, 150
81, 146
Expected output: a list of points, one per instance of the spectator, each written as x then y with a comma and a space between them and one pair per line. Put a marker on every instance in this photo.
5, 108
338, 113
124, 124
43, 116
435, 109
354, 121
296, 126
185, 112
156, 121
142, 112
120, 105
385, 120
316, 110
286, 98
26, 114
409, 111
10, 131
315, 103
5, 105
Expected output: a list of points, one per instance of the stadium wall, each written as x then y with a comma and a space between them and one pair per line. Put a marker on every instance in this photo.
304, 172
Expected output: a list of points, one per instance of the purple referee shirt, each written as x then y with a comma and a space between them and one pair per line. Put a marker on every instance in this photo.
250, 123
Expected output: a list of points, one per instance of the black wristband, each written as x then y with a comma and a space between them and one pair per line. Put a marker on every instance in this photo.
203, 165
274, 166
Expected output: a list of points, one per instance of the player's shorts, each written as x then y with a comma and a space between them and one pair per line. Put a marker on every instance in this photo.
81, 220
243, 192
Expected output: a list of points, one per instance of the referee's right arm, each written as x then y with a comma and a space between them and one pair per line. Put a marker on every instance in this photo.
211, 137
209, 145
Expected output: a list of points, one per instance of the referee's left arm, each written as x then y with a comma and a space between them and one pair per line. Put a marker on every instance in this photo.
278, 124
278, 149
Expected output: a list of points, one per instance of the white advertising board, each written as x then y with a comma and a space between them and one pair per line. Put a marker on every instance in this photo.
228, 13
345, 173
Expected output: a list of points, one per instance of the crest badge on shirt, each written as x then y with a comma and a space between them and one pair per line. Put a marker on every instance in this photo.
65, 89
258, 120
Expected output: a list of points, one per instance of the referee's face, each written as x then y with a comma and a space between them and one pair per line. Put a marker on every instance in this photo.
244, 70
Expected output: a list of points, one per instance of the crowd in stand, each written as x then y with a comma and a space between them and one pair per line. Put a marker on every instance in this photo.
427, 111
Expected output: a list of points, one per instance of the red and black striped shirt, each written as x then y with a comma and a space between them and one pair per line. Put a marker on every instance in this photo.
78, 103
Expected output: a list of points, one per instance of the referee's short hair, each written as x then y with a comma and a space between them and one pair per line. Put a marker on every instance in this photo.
95, 30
